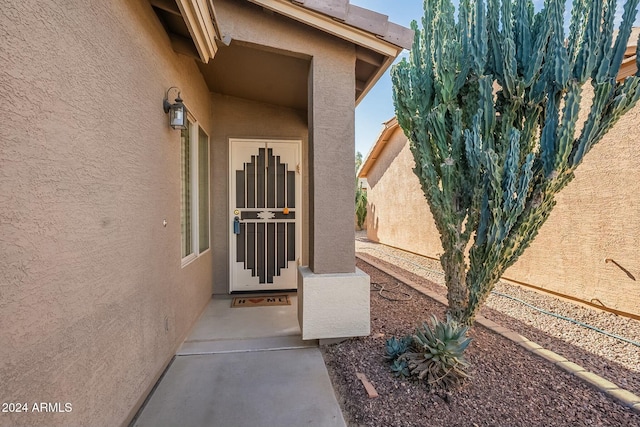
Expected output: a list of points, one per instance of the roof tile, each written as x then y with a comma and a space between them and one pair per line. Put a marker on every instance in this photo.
334, 8
361, 18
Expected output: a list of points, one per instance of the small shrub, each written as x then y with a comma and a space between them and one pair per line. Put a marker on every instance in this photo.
361, 206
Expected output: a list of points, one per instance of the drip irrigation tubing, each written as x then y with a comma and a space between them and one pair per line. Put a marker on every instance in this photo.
383, 287
568, 319
541, 310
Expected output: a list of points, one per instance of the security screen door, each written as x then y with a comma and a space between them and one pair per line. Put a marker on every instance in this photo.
264, 217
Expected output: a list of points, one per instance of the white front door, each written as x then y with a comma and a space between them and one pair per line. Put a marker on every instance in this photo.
265, 214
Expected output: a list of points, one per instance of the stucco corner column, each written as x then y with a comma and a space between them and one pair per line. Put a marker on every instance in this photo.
333, 296
333, 305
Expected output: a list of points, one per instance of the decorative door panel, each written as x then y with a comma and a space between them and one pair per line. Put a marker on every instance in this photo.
265, 214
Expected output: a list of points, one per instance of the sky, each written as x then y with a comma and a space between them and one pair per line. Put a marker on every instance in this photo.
377, 106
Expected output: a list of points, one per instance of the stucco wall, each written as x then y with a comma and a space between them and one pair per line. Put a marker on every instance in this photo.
93, 300
597, 217
229, 118
330, 122
397, 212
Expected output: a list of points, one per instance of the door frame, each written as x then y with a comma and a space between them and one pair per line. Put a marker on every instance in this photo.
231, 204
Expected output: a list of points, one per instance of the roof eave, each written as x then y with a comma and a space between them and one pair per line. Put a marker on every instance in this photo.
332, 26
389, 128
374, 79
199, 17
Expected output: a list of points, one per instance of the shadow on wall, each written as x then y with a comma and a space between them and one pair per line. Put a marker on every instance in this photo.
372, 223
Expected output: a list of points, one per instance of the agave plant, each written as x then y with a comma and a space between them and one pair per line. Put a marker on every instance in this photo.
400, 368
395, 348
436, 355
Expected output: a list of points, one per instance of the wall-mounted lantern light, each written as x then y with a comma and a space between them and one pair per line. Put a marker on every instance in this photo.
177, 112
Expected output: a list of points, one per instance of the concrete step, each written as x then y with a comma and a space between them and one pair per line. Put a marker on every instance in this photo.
218, 346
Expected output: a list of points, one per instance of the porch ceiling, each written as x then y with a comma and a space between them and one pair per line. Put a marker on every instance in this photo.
245, 71
251, 72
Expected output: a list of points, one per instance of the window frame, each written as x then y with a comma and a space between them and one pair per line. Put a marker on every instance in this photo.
194, 186
208, 191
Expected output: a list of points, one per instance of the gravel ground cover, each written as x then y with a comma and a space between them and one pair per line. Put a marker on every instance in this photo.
617, 361
509, 385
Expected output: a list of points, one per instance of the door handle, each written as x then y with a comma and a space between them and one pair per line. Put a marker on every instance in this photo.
236, 225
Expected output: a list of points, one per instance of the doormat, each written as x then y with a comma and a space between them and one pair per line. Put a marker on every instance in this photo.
265, 301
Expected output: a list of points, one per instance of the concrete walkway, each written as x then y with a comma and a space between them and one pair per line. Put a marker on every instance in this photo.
244, 367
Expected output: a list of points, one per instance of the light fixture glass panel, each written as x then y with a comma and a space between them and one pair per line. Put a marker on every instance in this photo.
178, 116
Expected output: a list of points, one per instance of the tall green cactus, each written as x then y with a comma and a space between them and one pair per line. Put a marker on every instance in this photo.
490, 105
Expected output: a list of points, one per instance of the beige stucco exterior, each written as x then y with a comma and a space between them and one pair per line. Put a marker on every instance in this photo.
397, 213
597, 217
94, 298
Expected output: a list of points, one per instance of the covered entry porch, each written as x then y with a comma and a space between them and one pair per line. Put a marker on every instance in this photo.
290, 76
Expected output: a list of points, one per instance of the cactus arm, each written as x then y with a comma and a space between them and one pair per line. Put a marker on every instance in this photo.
606, 36
483, 226
506, 15
638, 56
625, 98
628, 16
566, 132
558, 69
586, 139
584, 46
556, 72
445, 47
473, 149
528, 137
600, 73
456, 158
488, 116
523, 39
492, 188
464, 36
548, 138
494, 37
479, 44
511, 84
399, 79
511, 169
577, 29
542, 33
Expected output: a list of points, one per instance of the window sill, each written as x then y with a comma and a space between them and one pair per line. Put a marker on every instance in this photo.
188, 260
